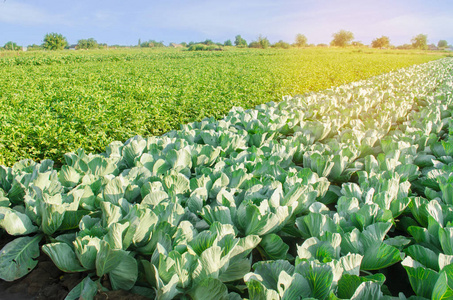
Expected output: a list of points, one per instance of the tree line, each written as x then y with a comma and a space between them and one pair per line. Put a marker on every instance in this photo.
342, 38
56, 41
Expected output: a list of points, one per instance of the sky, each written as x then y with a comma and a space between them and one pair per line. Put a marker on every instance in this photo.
125, 22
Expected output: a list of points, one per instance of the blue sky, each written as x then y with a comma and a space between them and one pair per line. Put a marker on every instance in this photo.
124, 22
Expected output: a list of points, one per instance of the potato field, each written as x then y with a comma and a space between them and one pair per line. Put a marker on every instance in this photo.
54, 103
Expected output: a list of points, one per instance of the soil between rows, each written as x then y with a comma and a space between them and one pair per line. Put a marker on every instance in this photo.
47, 282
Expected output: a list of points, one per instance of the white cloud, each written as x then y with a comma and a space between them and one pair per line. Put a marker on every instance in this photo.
210, 18
411, 24
25, 14
121, 20
104, 19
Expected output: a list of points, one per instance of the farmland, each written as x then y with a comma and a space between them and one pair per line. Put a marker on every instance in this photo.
54, 103
341, 193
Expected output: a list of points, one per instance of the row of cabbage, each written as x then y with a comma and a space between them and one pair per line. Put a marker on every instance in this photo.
307, 198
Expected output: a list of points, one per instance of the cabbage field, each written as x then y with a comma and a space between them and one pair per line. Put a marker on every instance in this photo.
341, 193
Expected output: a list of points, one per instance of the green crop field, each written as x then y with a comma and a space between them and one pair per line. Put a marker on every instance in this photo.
54, 103
345, 193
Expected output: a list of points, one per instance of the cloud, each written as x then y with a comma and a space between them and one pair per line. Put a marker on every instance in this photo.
210, 18
104, 19
122, 21
25, 14
410, 25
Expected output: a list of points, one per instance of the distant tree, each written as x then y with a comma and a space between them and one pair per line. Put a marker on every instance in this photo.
11, 46
240, 42
420, 41
301, 40
152, 44
184, 44
204, 47
342, 38
254, 44
281, 44
228, 43
357, 44
262, 43
382, 42
207, 42
139, 42
34, 47
54, 41
442, 44
404, 47
87, 44
92, 44
322, 45
197, 47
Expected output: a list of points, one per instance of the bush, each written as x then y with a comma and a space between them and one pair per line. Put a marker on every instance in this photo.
254, 44
208, 42
197, 47
281, 44
262, 43
357, 44
34, 47
87, 44
152, 44
404, 47
382, 42
203, 47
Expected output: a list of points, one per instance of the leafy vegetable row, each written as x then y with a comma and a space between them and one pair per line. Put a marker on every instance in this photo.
309, 197
52, 103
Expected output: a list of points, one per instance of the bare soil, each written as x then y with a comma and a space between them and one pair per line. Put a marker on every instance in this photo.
47, 282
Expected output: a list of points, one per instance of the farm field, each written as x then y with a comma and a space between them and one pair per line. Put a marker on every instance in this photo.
54, 103
343, 193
